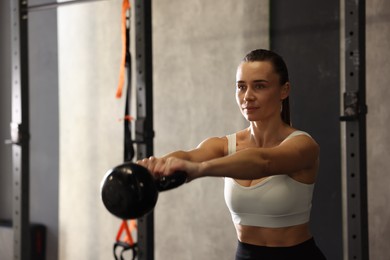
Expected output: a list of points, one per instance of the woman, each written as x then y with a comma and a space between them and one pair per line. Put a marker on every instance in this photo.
270, 167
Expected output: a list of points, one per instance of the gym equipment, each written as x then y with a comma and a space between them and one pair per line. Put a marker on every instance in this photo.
126, 244
129, 190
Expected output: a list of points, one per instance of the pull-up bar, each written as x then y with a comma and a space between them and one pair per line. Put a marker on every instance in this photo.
40, 7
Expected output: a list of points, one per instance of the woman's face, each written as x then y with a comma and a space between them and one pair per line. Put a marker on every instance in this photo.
258, 91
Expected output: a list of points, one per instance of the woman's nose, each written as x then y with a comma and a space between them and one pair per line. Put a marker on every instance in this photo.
248, 95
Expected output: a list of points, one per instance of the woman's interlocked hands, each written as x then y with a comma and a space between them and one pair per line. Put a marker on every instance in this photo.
161, 167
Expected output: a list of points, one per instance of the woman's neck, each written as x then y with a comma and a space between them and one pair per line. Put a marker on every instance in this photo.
268, 134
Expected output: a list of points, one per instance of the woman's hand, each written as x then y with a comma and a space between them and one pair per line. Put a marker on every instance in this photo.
150, 164
172, 165
167, 166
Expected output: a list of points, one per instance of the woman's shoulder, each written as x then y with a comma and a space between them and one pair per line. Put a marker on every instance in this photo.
214, 141
211, 147
242, 134
300, 136
297, 132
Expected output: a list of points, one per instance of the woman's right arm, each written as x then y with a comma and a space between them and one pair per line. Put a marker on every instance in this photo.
211, 148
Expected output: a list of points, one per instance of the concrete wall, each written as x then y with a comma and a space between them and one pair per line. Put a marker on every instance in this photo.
378, 140
90, 131
306, 33
197, 46
44, 124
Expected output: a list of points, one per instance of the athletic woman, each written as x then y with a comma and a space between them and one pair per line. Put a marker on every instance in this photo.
269, 167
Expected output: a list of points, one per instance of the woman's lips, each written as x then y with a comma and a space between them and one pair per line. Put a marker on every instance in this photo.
250, 109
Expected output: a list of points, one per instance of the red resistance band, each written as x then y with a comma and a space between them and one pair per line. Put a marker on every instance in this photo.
125, 7
127, 243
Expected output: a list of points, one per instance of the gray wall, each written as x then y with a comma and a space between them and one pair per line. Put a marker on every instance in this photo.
90, 130
378, 117
309, 40
197, 46
44, 124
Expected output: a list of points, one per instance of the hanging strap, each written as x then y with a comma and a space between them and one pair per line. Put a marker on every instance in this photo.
126, 66
127, 243
125, 6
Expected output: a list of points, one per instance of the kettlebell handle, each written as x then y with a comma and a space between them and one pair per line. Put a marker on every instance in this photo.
172, 181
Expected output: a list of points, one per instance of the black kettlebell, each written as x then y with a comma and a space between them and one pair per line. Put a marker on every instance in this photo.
130, 191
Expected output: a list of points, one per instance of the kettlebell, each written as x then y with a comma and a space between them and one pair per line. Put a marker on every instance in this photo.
130, 191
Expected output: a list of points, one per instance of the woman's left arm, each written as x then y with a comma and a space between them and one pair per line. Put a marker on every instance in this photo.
298, 153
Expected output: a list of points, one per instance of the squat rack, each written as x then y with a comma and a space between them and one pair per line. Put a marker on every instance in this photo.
20, 130
355, 207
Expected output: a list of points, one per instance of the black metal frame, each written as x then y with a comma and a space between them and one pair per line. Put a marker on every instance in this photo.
20, 117
20, 130
355, 111
144, 123
40, 7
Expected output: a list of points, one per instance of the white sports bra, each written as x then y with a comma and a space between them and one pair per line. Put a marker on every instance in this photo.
276, 201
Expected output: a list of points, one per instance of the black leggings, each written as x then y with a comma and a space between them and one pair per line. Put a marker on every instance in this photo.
306, 250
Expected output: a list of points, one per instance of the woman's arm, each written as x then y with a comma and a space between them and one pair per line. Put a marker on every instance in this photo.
295, 154
209, 149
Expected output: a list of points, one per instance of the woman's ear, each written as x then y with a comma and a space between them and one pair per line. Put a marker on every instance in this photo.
285, 91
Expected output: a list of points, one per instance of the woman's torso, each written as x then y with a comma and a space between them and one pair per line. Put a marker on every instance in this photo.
272, 236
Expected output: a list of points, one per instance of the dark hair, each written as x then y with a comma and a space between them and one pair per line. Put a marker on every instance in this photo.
280, 68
